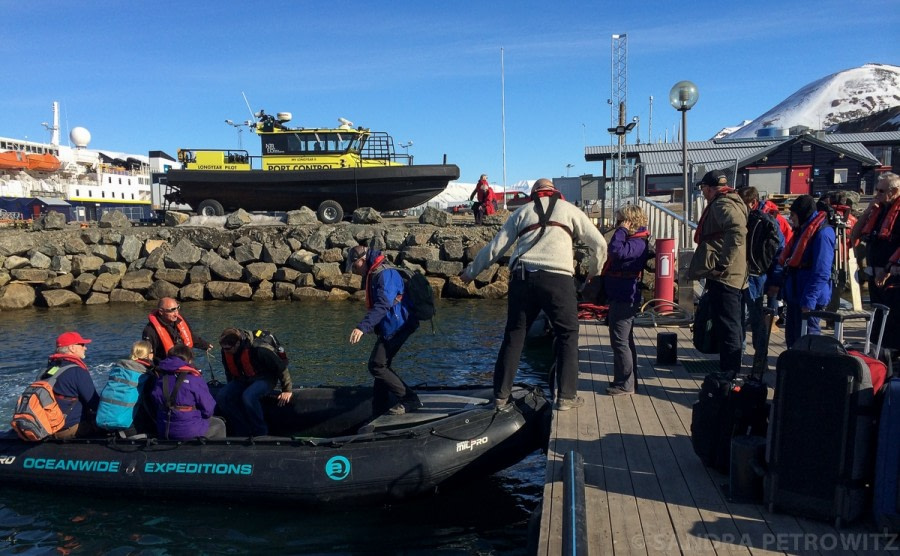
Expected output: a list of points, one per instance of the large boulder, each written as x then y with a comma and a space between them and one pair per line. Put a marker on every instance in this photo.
125, 296
229, 291
113, 219
303, 217
15, 244
366, 215
183, 255
139, 280
60, 298
236, 219
17, 296
436, 217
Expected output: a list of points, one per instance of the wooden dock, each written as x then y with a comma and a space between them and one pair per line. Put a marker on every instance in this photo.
646, 491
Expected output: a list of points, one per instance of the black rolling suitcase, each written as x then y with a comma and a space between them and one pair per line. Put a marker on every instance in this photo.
821, 433
728, 407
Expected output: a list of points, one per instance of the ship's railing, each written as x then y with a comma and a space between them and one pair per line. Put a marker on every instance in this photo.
9, 216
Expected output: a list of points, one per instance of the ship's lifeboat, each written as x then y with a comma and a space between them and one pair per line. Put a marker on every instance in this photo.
13, 160
43, 162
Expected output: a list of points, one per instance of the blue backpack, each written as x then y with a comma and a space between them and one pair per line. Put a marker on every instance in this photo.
119, 398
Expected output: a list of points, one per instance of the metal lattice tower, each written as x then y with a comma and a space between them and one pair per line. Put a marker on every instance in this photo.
619, 80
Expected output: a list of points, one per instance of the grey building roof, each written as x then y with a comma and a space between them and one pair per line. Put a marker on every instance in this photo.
665, 158
52, 201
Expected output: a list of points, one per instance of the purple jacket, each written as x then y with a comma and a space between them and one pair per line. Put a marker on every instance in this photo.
193, 404
627, 256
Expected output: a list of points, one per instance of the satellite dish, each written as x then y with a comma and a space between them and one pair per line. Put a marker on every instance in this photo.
345, 123
80, 137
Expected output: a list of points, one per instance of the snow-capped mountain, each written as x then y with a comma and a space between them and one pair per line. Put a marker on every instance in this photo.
847, 95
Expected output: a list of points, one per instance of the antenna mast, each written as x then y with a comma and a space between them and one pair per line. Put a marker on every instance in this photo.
252, 115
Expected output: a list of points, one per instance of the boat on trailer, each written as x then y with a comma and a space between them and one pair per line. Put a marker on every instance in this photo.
323, 447
330, 170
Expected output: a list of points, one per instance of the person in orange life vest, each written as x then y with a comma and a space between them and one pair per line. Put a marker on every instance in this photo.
74, 389
388, 316
879, 227
487, 199
628, 253
806, 268
721, 259
184, 406
252, 373
784, 224
167, 328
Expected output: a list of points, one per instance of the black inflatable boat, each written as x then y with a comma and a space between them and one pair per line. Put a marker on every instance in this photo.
325, 448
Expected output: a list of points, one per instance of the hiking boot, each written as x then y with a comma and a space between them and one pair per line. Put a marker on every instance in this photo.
565, 404
617, 391
502, 405
406, 406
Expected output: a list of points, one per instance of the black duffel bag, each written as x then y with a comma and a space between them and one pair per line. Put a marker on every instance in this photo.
704, 330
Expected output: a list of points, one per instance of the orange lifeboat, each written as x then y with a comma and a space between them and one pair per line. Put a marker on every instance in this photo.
13, 160
43, 162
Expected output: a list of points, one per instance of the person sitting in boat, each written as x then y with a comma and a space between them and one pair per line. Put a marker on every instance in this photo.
253, 369
487, 200
184, 405
125, 400
74, 389
389, 317
167, 328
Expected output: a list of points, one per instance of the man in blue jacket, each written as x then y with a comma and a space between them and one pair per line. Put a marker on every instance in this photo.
807, 261
388, 317
74, 389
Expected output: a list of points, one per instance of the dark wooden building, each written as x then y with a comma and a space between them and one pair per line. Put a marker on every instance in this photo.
805, 162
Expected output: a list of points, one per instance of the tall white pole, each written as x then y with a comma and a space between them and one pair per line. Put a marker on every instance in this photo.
503, 121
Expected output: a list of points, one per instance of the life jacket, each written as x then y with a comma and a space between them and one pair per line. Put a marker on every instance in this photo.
370, 301
771, 209
239, 366
119, 398
167, 341
719, 192
643, 234
895, 258
792, 255
887, 223
170, 393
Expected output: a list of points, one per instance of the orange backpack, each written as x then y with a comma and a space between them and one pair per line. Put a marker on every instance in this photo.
37, 414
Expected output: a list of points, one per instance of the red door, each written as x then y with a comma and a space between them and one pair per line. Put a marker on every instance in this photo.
801, 180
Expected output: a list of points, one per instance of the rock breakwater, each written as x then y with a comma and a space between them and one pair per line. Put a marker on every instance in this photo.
123, 264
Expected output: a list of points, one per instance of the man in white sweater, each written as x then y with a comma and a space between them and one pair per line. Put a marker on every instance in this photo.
542, 267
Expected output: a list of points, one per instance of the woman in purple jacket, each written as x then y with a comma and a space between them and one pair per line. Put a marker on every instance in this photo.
628, 253
184, 404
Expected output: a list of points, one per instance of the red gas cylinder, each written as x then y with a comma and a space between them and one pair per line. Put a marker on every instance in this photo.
665, 270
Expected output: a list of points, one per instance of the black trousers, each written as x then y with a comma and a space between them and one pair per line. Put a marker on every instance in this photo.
529, 293
729, 323
387, 382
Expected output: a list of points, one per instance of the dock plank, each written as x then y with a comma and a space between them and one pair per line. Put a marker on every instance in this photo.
646, 491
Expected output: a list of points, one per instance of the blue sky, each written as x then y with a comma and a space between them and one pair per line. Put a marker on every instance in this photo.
165, 75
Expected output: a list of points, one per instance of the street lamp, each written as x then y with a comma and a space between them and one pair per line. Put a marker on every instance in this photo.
683, 96
620, 131
238, 126
406, 146
567, 169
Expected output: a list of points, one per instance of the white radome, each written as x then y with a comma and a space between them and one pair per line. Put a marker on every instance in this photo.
80, 137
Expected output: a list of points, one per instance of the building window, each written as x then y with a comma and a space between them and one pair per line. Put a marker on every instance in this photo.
78, 193
120, 181
132, 196
883, 154
123, 195
840, 175
103, 194
90, 194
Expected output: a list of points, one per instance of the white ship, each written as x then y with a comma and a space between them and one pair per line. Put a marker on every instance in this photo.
77, 181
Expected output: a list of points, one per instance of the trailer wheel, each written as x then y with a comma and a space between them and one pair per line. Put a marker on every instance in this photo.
210, 207
330, 212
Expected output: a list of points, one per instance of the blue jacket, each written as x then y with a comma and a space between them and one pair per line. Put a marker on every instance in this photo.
195, 405
385, 315
75, 392
757, 284
627, 254
810, 284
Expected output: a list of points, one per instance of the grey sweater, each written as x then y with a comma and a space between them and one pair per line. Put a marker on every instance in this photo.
554, 251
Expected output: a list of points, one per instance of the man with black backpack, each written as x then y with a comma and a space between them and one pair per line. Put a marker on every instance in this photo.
253, 365
541, 278
392, 318
764, 244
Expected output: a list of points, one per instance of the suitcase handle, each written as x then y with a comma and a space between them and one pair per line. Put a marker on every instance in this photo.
840, 316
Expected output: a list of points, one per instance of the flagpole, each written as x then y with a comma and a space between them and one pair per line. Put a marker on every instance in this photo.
503, 121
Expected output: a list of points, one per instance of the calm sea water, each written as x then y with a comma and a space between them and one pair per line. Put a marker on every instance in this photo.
489, 516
